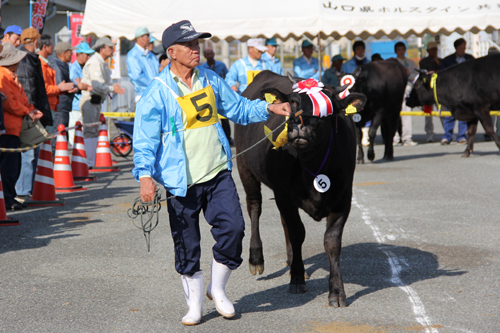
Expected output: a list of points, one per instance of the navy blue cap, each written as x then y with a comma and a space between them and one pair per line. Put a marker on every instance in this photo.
14, 29
179, 32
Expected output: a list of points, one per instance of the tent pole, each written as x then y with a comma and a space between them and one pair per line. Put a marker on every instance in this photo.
319, 56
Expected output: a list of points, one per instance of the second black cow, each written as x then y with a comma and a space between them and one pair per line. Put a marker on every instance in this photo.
313, 171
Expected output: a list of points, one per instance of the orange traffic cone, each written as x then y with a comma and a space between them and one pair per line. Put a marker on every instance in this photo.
44, 191
79, 164
4, 220
63, 176
103, 162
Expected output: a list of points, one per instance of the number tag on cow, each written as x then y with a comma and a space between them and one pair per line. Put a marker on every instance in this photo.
200, 108
251, 75
322, 183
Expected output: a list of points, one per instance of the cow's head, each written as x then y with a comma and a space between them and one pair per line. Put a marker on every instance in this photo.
422, 93
308, 130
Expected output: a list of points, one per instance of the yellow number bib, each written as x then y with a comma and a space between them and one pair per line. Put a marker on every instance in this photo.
200, 108
251, 75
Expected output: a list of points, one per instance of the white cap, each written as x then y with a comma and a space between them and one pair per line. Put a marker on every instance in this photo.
257, 43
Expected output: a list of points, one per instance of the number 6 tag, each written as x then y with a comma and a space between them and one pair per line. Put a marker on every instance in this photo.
322, 183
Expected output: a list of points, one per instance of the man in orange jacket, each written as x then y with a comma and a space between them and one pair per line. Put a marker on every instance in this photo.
15, 107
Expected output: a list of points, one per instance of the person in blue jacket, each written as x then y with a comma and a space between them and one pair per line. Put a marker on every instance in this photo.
141, 63
83, 53
272, 63
306, 66
179, 142
243, 71
358, 59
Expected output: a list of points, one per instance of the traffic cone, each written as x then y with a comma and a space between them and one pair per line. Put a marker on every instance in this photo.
44, 191
103, 162
4, 220
63, 176
79, 164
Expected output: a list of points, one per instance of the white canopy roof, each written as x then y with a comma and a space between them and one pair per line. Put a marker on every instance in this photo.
236, 19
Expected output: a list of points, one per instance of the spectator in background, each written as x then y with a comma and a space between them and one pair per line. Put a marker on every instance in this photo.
12, 35
431, 63
306, 66
59, 63
244, 70
30, 76
377, 57
406, 121
449, 122
15, 107
348, 67
96, 73
332, 74
151, 44
220, 69
272, 63
141, 63
164, 61
83, 53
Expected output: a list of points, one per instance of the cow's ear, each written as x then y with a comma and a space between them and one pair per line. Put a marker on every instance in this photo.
356, 100
273, 95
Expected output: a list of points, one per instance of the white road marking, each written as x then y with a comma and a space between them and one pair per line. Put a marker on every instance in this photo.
394, 262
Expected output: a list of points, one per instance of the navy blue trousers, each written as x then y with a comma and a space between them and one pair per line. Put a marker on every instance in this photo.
221, 207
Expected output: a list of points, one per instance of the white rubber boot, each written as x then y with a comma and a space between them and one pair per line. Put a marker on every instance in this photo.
216, 289
193, 291
365, 139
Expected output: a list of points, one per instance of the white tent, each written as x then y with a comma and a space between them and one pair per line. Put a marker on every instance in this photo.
236, 19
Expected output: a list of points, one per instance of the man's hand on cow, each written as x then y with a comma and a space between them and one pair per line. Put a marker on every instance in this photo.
148, 189
281, 109
235, 88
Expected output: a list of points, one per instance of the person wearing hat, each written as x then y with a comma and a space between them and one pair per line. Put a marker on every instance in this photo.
431, 63
179, 142
96, 73
273, 63
63, 52
83, 53
15, 107
331, 75
151, 45
142, 64
243, 71
306, 66
12, 35
30, 75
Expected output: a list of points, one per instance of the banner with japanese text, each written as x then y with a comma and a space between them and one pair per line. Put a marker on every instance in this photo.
76, 21
38, 14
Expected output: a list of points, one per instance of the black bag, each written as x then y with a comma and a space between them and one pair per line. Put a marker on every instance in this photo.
32, 133
95, 99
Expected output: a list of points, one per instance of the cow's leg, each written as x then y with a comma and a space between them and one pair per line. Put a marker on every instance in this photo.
471, 131
289, 253
361, 155
485, 119
373, 132
296, 234
333, 243
254, 208
388, 129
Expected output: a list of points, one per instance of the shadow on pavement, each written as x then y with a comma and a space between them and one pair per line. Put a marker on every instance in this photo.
363, 264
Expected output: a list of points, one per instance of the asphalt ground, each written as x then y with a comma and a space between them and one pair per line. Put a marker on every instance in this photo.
420, 254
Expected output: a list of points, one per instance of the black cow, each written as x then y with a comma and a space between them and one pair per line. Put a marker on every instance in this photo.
315, 145
383, 83
469, 90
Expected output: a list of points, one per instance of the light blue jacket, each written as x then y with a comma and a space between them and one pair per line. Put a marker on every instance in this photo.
141, 68
272, 64
238, 72
302, 69
350, 65
157, 151
76, 72
219, 68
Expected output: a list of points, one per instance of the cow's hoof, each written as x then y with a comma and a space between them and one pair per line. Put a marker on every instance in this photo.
337, 302
255, 268
297, 288
361, 161
388, 158
371, 156
466, 153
